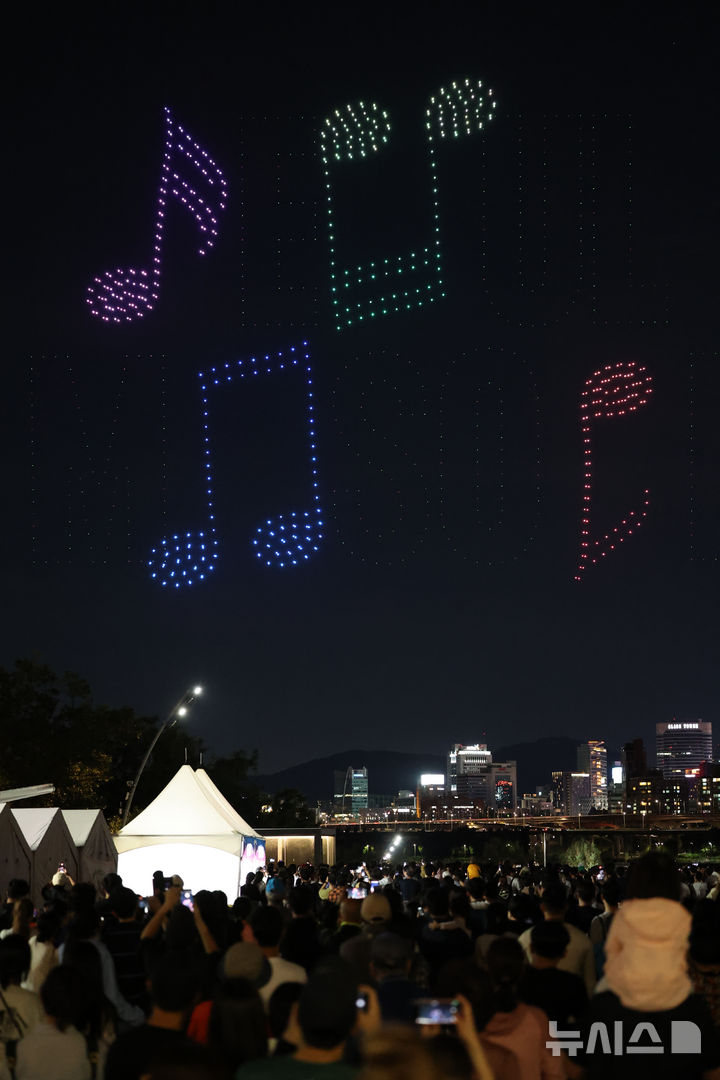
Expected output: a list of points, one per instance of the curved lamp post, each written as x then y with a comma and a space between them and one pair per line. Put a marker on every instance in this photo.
178, 710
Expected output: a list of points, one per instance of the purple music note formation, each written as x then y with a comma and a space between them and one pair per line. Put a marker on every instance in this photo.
121, 296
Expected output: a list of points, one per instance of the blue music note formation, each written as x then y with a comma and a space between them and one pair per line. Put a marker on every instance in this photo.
392, 283
290, 539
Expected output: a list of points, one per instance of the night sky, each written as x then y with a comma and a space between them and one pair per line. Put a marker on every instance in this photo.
577, 230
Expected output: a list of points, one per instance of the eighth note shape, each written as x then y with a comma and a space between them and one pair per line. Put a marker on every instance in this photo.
125, 295
394, 282
290, 539
615, 390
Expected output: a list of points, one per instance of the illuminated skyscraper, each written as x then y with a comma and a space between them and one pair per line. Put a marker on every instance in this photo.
351, 790
473, 776
467, 761
592, 759
682, 746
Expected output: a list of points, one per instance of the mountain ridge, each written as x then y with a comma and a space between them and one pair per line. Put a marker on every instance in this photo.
390, 771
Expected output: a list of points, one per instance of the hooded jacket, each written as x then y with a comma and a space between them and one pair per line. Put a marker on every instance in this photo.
646, 954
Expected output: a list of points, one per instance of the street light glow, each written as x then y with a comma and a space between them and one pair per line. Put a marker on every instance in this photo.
180, 709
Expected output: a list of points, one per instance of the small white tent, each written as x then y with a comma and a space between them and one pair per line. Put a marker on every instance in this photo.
15, 853
94, 842
51, 844
190, 830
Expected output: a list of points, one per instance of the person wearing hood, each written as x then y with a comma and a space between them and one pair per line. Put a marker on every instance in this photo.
666, 1028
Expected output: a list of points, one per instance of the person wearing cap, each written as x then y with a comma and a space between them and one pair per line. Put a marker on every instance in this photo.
375, 913
243, 960
327, 1014
390, 962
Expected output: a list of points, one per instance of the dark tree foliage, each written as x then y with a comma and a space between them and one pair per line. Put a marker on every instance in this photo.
52, 731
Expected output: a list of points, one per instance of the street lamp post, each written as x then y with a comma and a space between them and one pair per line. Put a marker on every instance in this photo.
178, 710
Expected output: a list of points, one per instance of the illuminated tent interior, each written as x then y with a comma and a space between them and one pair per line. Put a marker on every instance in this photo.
190, 829
94, 842
50, 842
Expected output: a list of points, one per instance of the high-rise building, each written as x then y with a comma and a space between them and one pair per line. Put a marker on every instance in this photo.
634, 759
558, 791
708, 790
350, 790
502, 785
473, 778
576, 793
682, 746
466, 761
616, 788
656, 794
592, 759
359, 789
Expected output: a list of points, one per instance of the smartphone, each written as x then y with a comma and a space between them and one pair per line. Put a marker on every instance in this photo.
186, 898
600, 876
361, 1001
436, 1011
358, 893
143, 905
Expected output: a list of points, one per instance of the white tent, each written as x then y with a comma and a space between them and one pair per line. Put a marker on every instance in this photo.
189, 829
94, 842
227, 809
51, 844
15, 853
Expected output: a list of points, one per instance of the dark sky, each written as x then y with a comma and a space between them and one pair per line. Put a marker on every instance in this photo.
577, 230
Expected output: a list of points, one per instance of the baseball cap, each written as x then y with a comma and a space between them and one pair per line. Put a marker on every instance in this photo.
375, 908
246, 960
390, 952
275, 887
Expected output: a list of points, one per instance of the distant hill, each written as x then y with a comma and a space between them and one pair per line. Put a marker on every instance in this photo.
536, 760
390, 771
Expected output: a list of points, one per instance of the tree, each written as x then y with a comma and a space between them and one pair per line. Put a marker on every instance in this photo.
584, 853
289, 809
499, 847
52, 731
230, 774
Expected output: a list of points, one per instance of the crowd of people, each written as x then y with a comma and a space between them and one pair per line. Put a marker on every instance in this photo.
412, 972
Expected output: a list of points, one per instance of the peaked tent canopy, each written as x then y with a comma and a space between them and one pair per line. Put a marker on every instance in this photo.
51, 844
189, 829
15, 853
227, 809
94, 842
